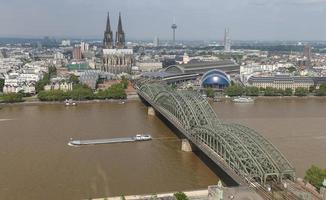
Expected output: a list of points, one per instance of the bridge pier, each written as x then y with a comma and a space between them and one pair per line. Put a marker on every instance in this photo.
186, 146
151, 111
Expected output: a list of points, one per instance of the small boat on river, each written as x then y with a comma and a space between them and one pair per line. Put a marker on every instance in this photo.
70, 102
243, 100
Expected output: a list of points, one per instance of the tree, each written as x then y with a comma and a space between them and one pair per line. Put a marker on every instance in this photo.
209, 92
52, 71
43, 82
81, 92
252, 91
322, 86
53, 95
234, 90
180, 196
73, 79
269, 91
124, 82
2, 83
116, 91
102, 94
291, 69
12, 97
288, 92
315, 176
301, 92
322, 90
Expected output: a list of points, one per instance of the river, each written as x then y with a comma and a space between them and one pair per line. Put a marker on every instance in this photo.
37, 163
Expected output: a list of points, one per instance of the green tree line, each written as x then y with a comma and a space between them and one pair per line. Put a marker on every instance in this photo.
83, 92
237, 90
11, 98
315, 176
2, 83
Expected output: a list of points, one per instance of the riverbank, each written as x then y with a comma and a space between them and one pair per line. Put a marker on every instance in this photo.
38, 102
35, 101
273, 98
196, 194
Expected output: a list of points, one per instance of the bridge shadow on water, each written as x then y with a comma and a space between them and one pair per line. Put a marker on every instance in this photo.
224, 177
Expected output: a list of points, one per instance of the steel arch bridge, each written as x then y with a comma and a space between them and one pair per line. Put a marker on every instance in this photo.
244, 151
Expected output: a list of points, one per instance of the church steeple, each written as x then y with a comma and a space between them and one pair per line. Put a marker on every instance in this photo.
108, 36
120, 35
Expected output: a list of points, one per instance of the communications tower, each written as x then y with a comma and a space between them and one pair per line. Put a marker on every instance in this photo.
174, 27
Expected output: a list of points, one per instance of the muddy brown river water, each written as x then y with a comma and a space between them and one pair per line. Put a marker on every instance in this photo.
37, 163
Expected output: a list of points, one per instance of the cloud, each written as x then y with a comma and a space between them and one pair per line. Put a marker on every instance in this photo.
286, 2
144, 19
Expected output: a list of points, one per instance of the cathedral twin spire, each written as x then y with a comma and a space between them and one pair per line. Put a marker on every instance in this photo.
119, 37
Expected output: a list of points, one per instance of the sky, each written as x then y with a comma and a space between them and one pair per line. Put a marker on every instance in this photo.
145, 19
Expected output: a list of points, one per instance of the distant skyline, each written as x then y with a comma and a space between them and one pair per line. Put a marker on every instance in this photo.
145, 19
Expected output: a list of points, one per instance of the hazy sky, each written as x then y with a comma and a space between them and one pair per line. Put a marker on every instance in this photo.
143, 19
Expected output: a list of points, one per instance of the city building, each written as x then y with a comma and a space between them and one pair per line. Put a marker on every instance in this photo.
281, 81
58, 56
64, 86
149, 65
319, 81
21, 82
156, 41
65, 43
91, 77
227, 40
77, 53
84, 46
307, 52
215, 79
78, 66
213, 74
201, 68
117, 59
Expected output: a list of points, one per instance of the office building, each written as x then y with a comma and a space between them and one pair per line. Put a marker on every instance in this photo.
227, 40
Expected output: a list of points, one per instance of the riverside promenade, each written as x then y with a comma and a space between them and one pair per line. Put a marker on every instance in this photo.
193, 195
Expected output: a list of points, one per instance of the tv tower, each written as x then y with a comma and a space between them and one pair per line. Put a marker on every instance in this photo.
174, 27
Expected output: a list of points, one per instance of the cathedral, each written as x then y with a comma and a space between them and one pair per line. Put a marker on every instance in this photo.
117, 59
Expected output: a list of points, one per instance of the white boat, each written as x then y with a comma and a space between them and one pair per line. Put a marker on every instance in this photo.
140, 137
70, 103
243, 100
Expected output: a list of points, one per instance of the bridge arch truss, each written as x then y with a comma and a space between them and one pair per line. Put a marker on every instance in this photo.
245, 151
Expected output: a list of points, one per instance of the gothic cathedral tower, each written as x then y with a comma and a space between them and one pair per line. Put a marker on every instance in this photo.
117, 59
108, 36
120, 36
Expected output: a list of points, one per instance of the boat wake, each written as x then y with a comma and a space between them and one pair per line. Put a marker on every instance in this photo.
72, 145
322, 137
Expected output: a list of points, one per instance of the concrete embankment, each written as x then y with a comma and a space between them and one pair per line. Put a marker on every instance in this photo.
196, 194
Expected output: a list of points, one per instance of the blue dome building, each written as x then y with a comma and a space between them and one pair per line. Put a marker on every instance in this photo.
215, 79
